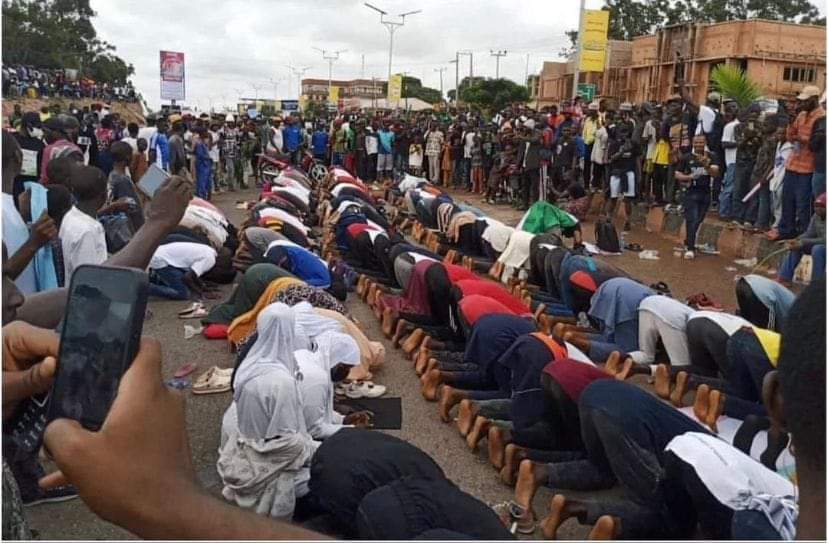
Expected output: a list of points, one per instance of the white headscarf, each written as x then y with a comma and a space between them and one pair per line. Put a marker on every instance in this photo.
266, 392
310, 324
336, 348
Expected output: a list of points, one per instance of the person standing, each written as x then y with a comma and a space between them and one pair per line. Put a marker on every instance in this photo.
371, 149
529, 164
590, 127
203, 163
748, 141
30, 138
230, 147
385, 154
340, 145
799, 169
275, 139
696, 171
434, 144
178, 154
293, 140
730, 150
360, 156
319, 143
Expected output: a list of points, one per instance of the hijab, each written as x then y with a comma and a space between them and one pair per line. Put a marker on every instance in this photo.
310, 324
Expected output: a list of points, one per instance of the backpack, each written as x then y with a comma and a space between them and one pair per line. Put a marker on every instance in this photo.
606, 237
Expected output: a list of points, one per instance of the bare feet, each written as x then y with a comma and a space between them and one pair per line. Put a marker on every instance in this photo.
423, 357
366, 290
478, 432
626, 370
531, 476
466, 415
715, 409
662, 381
450, 257
613, 363
512, 457
413, 341
360, 287
557, 515
606, 527
378, 306
496, 443
701, 403
449, 397
403, 328
539, 311
680, 390
433, 364
578, 340
545, 324
389, 322
431, 382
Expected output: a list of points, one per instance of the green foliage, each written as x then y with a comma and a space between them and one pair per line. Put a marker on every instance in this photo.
731, 82
492, 94
59, 34
413, 88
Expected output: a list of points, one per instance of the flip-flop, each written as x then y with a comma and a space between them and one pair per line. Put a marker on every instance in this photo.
195, 314
193, 307
634, 247
216, 383
185, 370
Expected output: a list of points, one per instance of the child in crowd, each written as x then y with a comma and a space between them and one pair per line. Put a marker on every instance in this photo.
121, 194
415, 156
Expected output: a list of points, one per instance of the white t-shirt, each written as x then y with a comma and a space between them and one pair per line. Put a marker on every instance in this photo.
729, 136
83, 241
15, 234
469, 144
671, 311
275, 141
707, 116
147, 132
133, 142
214, 149
371, 144
197, 257
650, 135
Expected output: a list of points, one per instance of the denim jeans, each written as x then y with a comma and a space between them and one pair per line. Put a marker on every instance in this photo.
696, 202
796, 203
791, 261
817, 184
624, 339
726, 195
168, 282
759, 207
741, 186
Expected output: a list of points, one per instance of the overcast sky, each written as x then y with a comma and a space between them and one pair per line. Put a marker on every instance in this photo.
232, 47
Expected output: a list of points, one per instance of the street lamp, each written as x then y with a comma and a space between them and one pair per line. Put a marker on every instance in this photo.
330, 56
391, 26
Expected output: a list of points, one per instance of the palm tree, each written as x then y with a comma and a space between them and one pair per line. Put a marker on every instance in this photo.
731, 82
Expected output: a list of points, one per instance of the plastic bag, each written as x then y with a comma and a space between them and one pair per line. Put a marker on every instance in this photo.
118, 231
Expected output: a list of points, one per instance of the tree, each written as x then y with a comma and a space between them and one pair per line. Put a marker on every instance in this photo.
492, 94
59, 34
413, 88
731, 82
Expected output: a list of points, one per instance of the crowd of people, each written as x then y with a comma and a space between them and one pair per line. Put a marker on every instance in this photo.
33, 82
532, 339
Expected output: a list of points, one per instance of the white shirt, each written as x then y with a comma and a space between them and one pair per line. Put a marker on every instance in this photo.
275, 142
729, 136
133, 142
83, 241
197, 257
599, 146
650, 135
15, 234
469, 144
707, 116
371, 144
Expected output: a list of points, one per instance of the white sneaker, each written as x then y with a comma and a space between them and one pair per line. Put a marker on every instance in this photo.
689, 255
365, 389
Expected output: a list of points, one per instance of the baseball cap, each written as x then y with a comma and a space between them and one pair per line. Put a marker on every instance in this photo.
714, 97
174, 118
808, 91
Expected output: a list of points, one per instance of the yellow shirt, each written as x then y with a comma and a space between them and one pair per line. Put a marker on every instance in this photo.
590, 127
662, 153
770, 342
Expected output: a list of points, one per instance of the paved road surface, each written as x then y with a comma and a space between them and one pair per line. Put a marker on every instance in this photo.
421, 425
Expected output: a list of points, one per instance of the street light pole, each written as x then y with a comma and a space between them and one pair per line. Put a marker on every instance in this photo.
330, 57
392, 26
497, 55
456, 63
577, 74
441, 70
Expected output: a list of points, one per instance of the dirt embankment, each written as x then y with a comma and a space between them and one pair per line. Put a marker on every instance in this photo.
129, 112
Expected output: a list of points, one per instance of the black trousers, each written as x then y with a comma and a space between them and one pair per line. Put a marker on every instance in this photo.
530, 185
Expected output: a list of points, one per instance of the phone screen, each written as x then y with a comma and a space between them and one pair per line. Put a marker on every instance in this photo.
101, 335
152, 180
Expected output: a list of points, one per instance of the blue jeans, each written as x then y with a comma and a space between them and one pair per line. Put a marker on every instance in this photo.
796, 204
759, 207
791, 261
696, 202
817, 184
168, 282
624, 340
741, 186
726, 196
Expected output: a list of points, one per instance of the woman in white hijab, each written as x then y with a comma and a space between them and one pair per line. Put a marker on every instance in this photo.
265, 452
310, 324
336, 353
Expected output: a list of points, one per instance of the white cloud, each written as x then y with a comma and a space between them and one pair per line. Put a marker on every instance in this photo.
231, 46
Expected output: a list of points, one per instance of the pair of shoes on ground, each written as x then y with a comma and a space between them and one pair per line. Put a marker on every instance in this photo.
194, 311
213, 381
360, 389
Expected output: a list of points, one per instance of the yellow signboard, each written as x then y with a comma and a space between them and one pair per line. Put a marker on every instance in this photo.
333, 95
395, 89
593, 40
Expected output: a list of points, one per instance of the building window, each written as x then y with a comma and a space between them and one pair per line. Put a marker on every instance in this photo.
799, 75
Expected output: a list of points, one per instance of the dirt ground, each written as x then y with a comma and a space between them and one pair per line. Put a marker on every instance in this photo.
421, 424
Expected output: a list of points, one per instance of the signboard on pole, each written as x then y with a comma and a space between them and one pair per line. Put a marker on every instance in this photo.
395, 89
586, 91
333, 94
172, 75
290, 105
593, 43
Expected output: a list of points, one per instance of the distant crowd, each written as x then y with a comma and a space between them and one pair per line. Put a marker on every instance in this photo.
33, 82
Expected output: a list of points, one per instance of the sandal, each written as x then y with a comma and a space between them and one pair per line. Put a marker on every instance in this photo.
514, 517
193, 307
661, 287
198, 313
213, 374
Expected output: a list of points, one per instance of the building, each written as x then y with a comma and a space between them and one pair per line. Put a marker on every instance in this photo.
556, 78
316, 90
781, 57
533, 84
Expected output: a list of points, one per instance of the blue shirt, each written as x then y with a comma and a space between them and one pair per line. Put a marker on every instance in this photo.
292, 135
386, 142
319, 141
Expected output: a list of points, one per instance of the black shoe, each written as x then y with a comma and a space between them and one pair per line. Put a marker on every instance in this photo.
53, 495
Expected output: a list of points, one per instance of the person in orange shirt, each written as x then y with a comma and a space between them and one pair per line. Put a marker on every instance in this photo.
796, 186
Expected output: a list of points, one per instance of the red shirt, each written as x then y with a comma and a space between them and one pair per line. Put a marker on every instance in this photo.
802, 159
473, 307
357, 228
493, 290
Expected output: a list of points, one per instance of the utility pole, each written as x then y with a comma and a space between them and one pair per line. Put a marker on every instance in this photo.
298, 72
441, 69
456, 63
577, 74
362, 71
469, 54
497, 55
392, 26
526, 76
331, 56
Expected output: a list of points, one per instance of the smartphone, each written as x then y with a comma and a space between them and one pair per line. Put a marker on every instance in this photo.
101, 331
100, 338
151, 181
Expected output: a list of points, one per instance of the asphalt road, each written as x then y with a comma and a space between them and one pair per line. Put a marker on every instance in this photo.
421, 424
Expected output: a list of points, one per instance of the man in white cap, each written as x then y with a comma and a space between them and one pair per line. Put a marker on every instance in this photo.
799, 169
